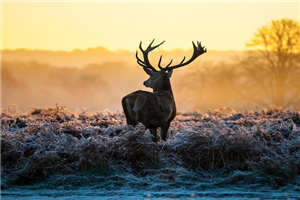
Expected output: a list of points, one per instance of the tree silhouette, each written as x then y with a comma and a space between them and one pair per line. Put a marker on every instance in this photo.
278, 55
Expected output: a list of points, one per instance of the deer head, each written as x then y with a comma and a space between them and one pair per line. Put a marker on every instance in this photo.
157, 79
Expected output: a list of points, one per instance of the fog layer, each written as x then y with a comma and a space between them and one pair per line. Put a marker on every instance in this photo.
96, 79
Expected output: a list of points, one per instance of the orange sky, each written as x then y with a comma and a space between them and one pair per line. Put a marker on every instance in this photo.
65, 25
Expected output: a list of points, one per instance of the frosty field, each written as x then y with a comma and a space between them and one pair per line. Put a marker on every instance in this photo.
56, 154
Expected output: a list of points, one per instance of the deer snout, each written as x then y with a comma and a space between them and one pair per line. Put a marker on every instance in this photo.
147, 83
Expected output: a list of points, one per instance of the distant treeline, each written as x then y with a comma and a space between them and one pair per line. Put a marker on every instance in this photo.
101, 78
99, 55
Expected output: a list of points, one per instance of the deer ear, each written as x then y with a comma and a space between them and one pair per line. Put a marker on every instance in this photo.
169, 73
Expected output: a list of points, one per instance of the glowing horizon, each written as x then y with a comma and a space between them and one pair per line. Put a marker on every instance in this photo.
69, 25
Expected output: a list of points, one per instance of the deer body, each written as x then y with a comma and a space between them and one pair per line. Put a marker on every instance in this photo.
152, 109
155, 109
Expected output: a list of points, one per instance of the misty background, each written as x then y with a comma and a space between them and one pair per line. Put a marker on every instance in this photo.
96, 79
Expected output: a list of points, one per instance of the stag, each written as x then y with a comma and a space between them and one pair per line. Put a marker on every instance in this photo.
155, 109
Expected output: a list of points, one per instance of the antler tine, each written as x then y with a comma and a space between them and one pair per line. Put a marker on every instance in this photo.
159, 62
140, 46
167, 66
198, 50
160, 67
154, 47
194, 46
182, 60
169, 63
149, 46
139, 61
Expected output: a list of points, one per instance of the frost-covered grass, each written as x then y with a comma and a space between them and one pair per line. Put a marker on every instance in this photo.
52, 141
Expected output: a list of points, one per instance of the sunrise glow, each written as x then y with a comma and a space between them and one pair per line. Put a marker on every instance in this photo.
65, 25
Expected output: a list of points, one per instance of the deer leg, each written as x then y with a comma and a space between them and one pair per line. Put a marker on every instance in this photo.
128, 112
154, 134
164, 131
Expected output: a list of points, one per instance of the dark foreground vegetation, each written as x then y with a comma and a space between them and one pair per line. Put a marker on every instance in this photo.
254, 147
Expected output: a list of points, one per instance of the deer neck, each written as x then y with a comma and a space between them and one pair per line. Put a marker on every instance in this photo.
165, 87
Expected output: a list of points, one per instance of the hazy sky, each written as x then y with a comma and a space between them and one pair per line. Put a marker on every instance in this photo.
65, 25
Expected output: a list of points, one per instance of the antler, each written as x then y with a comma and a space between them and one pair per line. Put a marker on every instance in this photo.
146, 63
198, 50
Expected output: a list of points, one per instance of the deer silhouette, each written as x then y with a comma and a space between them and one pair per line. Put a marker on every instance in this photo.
155, 109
